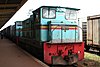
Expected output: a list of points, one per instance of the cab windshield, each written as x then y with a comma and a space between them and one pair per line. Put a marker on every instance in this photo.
71, 15
49, 13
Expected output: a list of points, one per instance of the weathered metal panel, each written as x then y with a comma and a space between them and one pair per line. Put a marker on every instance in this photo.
99, 30
89, 31
93, 31
53, 50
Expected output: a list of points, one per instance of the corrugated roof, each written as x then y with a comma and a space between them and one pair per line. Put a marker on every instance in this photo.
8, 8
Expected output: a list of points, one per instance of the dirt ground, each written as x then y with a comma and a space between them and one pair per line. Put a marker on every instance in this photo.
90, 60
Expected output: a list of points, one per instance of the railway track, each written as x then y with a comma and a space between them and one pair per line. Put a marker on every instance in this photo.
93, 52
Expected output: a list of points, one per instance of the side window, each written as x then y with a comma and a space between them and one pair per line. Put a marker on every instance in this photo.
36, 17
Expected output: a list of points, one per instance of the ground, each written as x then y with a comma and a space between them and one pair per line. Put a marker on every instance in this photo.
90, 60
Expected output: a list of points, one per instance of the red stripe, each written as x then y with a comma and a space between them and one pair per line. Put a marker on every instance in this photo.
73, 28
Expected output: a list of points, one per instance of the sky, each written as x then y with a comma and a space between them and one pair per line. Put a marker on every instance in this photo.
87, 8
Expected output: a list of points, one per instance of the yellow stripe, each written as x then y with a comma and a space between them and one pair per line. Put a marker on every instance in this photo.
44, 27
56, 27
51, 26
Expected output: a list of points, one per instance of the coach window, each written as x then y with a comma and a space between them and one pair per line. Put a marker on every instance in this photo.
49, 13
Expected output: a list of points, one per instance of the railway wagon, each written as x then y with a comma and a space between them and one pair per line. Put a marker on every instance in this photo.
18, 30
93, 32
12, 33
84, 32
52, 33
7, 32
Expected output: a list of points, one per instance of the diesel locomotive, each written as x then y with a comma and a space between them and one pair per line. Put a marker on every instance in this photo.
51, 33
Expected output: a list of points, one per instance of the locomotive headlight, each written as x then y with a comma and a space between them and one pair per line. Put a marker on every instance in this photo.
79, 52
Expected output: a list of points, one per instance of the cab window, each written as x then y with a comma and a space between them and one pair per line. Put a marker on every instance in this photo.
71, 15
49, 13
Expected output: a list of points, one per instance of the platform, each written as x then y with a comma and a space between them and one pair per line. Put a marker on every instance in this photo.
13, 56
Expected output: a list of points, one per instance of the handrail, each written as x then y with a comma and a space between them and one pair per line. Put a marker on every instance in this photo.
50, 32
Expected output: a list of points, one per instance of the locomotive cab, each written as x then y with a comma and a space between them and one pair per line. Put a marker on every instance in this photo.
59, 24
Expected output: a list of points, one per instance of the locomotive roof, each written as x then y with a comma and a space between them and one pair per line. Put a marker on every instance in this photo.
60, 7
57, 7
